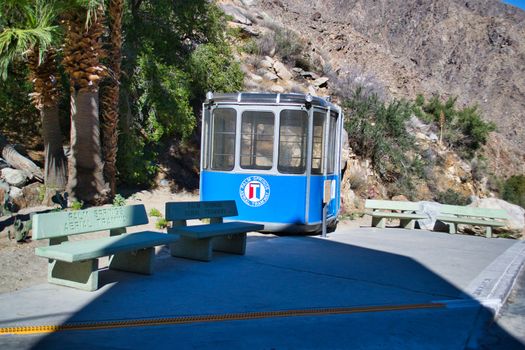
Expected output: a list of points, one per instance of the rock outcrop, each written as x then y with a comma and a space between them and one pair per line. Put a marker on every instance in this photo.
474, 50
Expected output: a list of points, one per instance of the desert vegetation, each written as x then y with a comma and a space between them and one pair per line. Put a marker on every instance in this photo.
379, 130
117, 79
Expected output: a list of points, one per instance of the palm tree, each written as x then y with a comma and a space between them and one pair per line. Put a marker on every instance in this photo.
30, 34
110, 99
82, 62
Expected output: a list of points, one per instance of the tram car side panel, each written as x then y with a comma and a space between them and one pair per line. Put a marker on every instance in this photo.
316, 199
259, 198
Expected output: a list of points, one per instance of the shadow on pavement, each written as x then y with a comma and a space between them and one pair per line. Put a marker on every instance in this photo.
280, 274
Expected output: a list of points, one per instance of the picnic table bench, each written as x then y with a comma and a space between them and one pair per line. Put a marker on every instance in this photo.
198, 241
486, 217
75, 263
405, 211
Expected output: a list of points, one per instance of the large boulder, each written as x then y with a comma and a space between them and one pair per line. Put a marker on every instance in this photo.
236, 14
277, 89
30, 196
15, 177
321, 82
4, 191
281, 71
432, 209
516, 223
270, 76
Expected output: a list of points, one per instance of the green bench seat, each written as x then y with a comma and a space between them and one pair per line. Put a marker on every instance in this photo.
96, 248
405, 211
75, 263
452, 215
198, 242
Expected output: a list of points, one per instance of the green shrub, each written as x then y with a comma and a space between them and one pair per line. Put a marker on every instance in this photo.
283, 42
77, 205
288, 44
358, 180
21, 230
420, 100
41, 192
155, 212
135, 161
514, 190
462, 129
479, 168
474, 130
266, 44
377, 131
451, 197
119, 200
19, 119
161, 223
213, 68
175, 52
250, 47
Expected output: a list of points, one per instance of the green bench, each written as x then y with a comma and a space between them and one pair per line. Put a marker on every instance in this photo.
452, 215
198, 241
383, 210
74, 263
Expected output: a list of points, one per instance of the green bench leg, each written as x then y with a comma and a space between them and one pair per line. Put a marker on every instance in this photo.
81, 275
191, 248
139, 261
408, 223
378, 222
488, 232
452, 228
235, 244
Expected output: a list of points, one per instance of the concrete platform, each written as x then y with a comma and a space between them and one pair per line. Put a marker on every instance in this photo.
359, 288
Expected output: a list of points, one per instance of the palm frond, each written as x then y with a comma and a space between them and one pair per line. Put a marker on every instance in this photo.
91, 7
36, 30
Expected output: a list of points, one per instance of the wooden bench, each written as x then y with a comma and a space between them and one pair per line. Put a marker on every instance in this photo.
198, 241
486, 217
405, 211
75, 263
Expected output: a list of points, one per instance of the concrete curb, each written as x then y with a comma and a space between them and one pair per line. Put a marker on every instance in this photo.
493, 285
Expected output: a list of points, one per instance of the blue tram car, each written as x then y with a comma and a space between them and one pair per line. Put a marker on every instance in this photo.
277, 155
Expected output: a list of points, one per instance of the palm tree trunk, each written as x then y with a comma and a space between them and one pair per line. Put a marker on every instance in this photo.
110, 93
55, 161
47, 90
82, 54
85, 168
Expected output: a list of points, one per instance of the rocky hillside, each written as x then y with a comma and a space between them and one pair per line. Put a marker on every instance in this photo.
474, 50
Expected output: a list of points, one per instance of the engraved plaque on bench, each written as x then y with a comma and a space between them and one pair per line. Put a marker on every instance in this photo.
89, 220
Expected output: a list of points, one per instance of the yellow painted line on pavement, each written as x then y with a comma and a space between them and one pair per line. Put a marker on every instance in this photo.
212, 318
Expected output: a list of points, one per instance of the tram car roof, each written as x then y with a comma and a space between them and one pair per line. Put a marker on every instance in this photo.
264, 98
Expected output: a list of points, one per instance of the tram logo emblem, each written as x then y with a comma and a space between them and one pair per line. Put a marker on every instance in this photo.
254, 191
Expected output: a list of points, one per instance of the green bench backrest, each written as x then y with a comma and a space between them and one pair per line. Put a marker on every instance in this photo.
65, 223
176, 211
475, 212
391, 205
